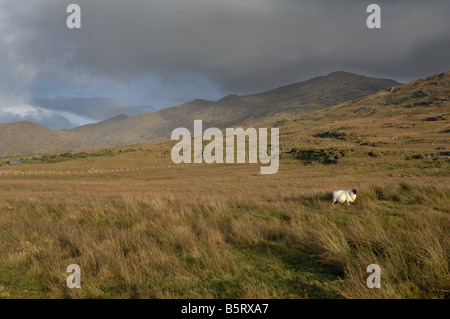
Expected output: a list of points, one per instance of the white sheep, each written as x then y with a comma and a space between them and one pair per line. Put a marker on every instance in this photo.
341, 196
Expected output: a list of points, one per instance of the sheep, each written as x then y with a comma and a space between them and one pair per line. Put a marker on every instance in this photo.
342, 196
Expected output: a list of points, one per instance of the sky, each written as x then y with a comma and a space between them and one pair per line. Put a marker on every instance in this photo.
138, 56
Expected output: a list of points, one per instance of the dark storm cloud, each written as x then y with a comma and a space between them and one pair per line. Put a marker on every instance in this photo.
237, 46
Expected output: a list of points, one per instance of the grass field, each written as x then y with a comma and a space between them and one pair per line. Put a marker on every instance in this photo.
225, 231
141, 227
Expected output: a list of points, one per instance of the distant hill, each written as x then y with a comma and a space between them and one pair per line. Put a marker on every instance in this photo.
233, 110
26, 137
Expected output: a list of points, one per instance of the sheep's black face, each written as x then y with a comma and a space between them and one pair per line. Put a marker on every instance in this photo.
354, 191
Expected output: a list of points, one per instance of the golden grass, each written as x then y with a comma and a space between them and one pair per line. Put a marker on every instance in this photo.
212, 231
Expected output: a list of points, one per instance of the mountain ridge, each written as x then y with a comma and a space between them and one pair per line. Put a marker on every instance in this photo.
232, 110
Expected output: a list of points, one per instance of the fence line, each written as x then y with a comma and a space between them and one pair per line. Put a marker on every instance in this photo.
91, 171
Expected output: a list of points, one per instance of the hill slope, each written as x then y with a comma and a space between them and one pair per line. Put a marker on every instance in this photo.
31, 138
413, 117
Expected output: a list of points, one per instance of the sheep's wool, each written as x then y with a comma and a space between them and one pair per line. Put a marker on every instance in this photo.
343, 196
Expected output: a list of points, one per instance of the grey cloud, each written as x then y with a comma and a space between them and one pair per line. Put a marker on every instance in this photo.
52, 121
55, 122
240, 46
96, 108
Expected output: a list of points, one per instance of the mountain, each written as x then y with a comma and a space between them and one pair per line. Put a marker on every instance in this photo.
112, 121
412, 119
26, 137
233, 110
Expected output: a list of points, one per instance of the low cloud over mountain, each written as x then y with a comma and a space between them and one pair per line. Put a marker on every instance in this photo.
298, 98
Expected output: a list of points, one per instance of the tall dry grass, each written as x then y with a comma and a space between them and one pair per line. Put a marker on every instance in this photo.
274, 244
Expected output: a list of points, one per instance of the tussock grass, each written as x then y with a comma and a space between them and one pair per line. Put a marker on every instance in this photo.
176, 246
